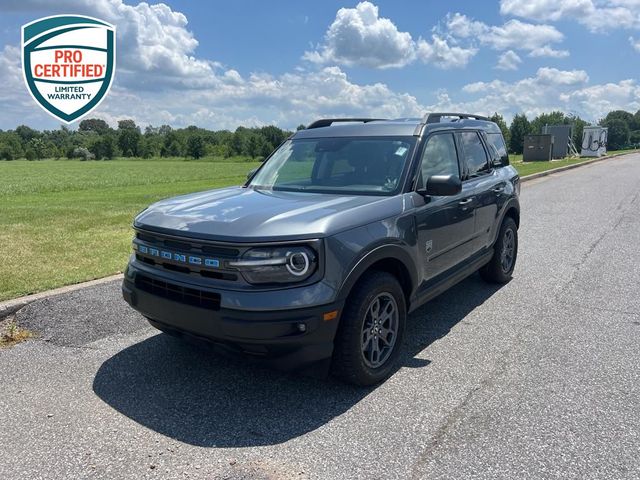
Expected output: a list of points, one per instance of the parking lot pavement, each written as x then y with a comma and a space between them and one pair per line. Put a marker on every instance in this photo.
537, 379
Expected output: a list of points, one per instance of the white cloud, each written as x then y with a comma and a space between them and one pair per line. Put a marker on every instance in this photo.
509, 60
461, 26
359, 36
155, 48
550, 89
596, 101
525, 36
232, 100
549, 52
635, 44
443, 55
512, 35
597, 16
168, 83
561, 77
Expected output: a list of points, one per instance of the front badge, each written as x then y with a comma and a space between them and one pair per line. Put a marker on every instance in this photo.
68, 62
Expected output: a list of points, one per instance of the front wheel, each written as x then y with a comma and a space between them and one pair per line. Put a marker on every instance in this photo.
500, 267
371, 329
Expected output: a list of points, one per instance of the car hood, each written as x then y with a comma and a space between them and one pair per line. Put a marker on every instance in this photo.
244, 214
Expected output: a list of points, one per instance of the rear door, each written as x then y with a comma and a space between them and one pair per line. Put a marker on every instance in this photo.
484, 181
445, 224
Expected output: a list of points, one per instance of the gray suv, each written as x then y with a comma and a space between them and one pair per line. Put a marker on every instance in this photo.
349, 225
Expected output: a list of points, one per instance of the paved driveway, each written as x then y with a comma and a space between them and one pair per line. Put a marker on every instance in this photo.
537, 379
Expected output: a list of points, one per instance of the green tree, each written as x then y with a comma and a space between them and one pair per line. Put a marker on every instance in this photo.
171, 147
618, 135
636, 121
553, 118
104, 147
146, 146
195, 146
39, 149
11, 146
6, 152
96, 125
519, 128
300, 127
240, 141
625, 117
26, 134
128, 138
499, 119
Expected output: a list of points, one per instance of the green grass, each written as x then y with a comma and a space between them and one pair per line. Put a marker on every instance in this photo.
528, 168
63, 222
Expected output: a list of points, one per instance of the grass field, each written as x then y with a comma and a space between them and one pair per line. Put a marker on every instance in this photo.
63, 222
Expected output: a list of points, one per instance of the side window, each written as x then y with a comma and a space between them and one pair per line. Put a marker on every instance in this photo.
439, 157
497, 141
474, 154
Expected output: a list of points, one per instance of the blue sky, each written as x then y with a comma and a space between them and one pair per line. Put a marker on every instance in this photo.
222, 64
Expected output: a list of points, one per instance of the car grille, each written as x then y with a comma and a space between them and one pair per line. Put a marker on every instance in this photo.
177, 293
190, 257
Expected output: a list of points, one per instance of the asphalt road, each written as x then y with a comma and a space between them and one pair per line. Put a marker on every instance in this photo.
537, 379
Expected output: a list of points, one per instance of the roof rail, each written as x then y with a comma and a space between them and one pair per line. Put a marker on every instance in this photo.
325, 122
436, 117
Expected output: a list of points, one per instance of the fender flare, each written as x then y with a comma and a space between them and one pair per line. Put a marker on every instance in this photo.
383, 252
511, 203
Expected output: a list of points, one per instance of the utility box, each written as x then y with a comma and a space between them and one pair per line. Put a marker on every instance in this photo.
561, 138
537, 148
594, 142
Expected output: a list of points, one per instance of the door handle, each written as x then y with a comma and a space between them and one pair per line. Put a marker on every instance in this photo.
465, 203
499, 189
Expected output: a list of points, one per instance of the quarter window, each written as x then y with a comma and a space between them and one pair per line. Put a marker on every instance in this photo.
474, 154
439, 157
497, 141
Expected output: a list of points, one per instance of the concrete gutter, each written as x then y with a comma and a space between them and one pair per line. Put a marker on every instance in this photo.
11, 306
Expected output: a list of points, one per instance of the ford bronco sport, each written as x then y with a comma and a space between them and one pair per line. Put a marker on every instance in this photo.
347, 227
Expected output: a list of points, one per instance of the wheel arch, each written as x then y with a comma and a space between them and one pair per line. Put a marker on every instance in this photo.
392, 259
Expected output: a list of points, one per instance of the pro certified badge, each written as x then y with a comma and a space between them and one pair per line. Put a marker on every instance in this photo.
68, 63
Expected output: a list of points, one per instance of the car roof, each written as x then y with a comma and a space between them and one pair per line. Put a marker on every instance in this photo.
399, 127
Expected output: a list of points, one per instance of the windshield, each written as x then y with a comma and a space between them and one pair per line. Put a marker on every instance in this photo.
362, 165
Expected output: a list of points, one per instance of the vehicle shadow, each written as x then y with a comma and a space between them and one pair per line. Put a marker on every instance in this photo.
184, 392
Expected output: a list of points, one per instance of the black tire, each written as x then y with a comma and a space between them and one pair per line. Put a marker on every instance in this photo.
350, 362
499, 270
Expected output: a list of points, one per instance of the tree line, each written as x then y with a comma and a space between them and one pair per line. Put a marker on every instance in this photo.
95, 139
623, 128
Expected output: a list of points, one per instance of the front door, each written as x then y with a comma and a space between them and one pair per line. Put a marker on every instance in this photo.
445, 224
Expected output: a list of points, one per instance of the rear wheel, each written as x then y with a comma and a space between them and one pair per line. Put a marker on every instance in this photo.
371, 328
500, 267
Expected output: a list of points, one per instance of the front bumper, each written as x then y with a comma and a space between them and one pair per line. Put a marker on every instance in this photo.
288, 339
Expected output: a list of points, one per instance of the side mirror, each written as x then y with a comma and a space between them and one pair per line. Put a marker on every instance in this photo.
251, 173
442, 185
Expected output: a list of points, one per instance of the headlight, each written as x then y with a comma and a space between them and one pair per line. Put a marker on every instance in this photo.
277, 265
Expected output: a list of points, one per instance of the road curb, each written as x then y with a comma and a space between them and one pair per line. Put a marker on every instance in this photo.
533, 176
12, 306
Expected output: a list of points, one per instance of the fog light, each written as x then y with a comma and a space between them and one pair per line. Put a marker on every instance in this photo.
302, 327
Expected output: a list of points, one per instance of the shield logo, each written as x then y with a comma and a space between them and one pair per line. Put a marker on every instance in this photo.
68, 62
